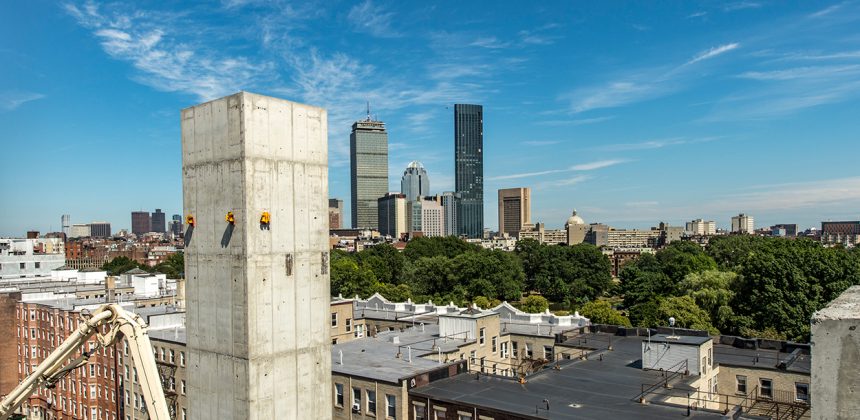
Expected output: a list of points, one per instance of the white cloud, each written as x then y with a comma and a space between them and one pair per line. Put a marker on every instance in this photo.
371, 19
827, 10
815, 72
713, 52
526, 174
657, 144
741, 5
10, 101
576, 122
164, 63
596, 165
568, 182
697, 14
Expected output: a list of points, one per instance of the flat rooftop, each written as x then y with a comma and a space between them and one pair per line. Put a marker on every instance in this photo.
680, 339
581, 389
175, 335
762, 359
376, 357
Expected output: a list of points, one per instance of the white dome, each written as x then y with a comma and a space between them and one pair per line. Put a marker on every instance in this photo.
415, 164
574, 220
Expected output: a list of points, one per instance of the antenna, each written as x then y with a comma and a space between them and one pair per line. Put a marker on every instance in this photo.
368, 110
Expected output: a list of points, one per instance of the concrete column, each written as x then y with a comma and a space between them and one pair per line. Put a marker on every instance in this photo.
257, 296
835, 388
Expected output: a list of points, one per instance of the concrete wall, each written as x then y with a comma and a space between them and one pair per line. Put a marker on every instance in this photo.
257, 299
835, 389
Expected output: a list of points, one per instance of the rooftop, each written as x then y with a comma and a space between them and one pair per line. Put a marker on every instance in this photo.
376, 357
680, 339
846, 306
583, 389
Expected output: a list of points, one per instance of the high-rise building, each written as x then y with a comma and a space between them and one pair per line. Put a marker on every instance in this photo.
415, 183
66, 223
335, 213
432, 218
140, 222
514, 210
743, 223
450, 201
368, 161
392, 215
100, 229
257, 326
469, 168
157, 222
176, 225
80, 230
413, 216
702, 227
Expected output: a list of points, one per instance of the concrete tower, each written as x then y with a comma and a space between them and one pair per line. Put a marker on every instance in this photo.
66, 223
257, 293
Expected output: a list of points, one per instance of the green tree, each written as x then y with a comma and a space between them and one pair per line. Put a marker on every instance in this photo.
349, 279
601, 312
431, 276
580, 272
120, 265
713, 291
495, 274
683, 308
486, 303
447, 246
386, 262
534, 304
394, 292
683, 257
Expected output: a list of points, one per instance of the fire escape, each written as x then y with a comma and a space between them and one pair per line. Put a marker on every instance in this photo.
167, 372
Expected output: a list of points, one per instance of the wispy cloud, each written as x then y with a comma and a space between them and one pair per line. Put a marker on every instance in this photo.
9, 101
713, 52
827, 10
741, 5
597, 165
575, 122
164, 63
372, 19
490, 42
541, 142
657, 144
571, 181
697, 14
817, 72
590, 166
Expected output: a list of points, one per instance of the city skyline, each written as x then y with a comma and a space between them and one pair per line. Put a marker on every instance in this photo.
662, 112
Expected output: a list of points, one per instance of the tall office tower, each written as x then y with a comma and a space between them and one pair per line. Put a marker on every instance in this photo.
469, 168
368, 162
392, 215
140, 222
449, 201
176, 225
257, 298
335, 213
66, 223
100, 229
515, 210
743, 223
157, 223
415, 183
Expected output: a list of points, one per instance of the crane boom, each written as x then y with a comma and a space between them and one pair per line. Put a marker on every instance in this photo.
121, 323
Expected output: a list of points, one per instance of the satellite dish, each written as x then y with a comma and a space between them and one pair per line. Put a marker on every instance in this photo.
671, 321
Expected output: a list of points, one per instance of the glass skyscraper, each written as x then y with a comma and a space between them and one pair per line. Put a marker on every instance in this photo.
415, 183
469, 168
368, 161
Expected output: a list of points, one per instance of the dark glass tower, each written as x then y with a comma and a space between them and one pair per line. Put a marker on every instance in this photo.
469, 168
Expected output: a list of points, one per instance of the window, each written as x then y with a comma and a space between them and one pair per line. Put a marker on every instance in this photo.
22, 265
483, 336
547, 352
472, 356
766, 387
32, 314
504, 350
704, 365
184, 414
172, 356
742, 384
33, 334
801, 391
338, 395
529, 349
161, 353
710, 363
420, 412
390, 406
334, 319
38, 265
493, 341
33, 352
439, 414
371, 402
182, 384
333, 341
514, 352
348, 324
181, 358
356, 400
462, 415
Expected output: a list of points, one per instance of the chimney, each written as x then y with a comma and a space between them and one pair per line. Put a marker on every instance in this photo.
110, 289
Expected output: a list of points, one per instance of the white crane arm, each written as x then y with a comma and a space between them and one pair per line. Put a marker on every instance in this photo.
121, 321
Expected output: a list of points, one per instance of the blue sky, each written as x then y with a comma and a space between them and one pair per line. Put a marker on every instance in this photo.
630, 112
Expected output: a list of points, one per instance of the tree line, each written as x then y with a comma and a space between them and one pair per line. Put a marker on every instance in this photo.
740, 284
